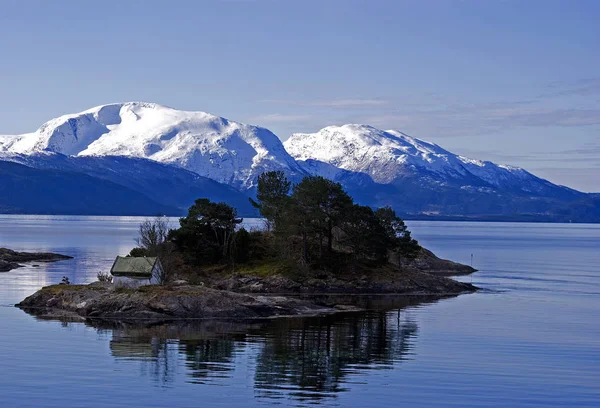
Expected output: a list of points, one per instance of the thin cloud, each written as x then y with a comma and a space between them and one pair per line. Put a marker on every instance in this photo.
546, 116
457, 121
280, 118
348, 103
586, 149
330, 103
581, 87
571, 156
444, 117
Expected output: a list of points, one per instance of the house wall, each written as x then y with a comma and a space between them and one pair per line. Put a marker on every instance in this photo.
128, 282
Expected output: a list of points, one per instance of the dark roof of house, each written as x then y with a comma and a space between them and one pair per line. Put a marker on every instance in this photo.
133, 266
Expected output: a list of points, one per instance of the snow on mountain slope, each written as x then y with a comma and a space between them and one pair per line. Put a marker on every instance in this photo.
211, 146
6, 141
147, 148
235, 154
387, 156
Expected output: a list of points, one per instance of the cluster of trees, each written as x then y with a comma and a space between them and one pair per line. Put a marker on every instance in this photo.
319, 215
207, 235
314, 222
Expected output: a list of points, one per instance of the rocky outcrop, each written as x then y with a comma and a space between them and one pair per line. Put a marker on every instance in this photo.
237, 296
387, 279
6, 266
269, 291
103, 300
10, 259
426, 261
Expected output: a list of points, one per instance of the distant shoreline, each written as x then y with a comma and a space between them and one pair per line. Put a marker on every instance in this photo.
517, 219
10, 259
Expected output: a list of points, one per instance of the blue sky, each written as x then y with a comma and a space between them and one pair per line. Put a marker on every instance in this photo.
516, 82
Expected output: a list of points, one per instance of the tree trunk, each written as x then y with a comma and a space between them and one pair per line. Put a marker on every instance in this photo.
304, 248
330, 236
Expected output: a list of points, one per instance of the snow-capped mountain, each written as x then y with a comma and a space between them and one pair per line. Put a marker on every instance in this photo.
390, 157
228, 152
168, 156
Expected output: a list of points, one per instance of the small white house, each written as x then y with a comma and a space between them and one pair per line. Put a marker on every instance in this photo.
136, 271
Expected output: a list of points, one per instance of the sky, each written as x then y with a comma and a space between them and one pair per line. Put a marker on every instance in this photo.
514, 82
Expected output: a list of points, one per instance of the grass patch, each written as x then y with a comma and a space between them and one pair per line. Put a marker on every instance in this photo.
55, 289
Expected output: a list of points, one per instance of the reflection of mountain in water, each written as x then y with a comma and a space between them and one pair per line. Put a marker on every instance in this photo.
303, 358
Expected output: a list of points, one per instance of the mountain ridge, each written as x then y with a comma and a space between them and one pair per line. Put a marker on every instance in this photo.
226, 151
118, 142
389, 154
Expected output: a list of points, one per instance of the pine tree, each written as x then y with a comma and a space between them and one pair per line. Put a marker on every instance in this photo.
271, 195
364, 234
321, 204
206, 232
397, 233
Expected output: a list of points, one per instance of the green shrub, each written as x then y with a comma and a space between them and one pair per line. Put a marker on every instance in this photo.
104, 277
137, 252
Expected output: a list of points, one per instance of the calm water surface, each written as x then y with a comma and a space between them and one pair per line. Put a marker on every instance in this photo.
531, 339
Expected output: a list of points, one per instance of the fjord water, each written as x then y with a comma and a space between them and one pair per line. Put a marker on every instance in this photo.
531, 338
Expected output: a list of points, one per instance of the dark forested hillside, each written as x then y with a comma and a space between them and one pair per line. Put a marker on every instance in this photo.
167, 185
27, 190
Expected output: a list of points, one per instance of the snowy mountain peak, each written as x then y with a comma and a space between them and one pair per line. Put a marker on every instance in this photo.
383, 155
212, 146
234, 153
71, 134
377, 167
389, 156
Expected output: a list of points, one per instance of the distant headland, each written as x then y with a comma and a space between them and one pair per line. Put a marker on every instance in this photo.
10, 259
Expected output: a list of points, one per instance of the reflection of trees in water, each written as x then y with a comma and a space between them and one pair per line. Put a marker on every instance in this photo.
208, 358
309, 358
305, 358
207, 348
158, 356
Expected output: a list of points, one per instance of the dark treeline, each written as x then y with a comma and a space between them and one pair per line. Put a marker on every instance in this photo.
316, 219
313, 224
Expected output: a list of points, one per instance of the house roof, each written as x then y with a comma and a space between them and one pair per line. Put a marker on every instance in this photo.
133, 266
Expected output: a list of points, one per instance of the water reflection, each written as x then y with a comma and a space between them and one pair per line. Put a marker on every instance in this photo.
204, 350
307, 359
310, 358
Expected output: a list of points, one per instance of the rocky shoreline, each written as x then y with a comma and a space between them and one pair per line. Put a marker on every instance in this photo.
237, 296
427, 261
10, 259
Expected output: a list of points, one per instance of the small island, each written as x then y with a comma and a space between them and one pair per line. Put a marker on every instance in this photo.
10, 259
317, 248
